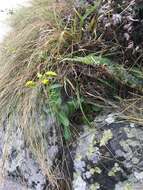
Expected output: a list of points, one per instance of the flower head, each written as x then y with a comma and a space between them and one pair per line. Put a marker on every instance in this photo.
51, 73
45, 81
30, 84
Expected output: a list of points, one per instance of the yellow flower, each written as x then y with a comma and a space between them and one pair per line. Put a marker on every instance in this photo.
45, 81
30, 84
51, 74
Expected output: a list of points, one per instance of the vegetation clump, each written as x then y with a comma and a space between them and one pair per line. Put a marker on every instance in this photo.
69, 61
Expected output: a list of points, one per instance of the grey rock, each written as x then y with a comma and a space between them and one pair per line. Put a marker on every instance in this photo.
115, 165
11, 185
19, 166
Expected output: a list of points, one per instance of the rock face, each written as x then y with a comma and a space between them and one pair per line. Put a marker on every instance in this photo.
7, 185
109, 156
106, 156
21, 171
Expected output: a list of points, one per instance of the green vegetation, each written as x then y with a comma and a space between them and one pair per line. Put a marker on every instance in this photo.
61, 110
47, 66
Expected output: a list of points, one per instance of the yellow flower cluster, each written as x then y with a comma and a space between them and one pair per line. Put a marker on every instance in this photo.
43, 78
45, 81
30, 84
51, 74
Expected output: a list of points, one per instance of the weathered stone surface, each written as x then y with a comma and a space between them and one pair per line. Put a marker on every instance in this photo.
11, 185
109, 156
20, 168
106, 156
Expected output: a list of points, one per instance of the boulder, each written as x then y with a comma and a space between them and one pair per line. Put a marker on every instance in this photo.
109, 155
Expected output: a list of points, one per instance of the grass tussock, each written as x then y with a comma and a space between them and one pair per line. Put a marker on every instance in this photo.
55, 36
31, 48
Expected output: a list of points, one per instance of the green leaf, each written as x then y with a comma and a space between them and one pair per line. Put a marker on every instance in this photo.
90, 59
72, 106
63, 119
67, 133
55, 86
132, 77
